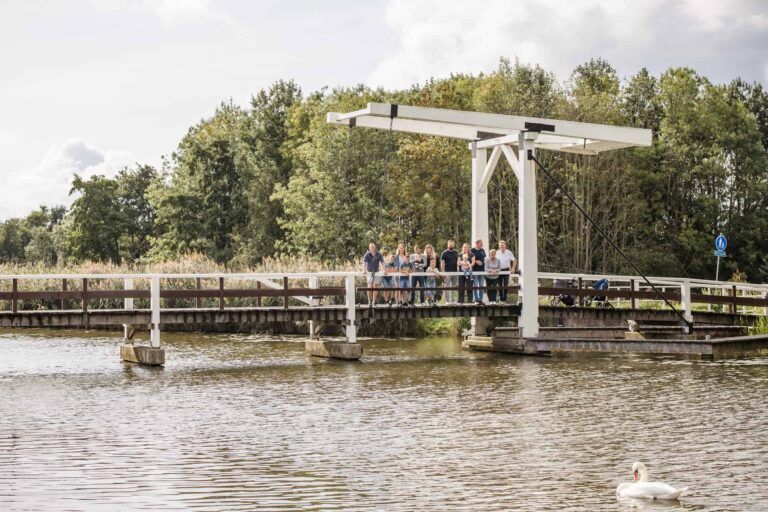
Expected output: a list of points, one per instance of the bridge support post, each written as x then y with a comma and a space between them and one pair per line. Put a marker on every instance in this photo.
128, 329
314, 329
685, 299
349, 350
154, 354
479, 325
527, 242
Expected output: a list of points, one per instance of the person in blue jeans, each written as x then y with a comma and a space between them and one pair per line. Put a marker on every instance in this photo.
478, 265
403, 265
418, 265
465, 279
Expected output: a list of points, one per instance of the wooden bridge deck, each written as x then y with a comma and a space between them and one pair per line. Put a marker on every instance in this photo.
550, 315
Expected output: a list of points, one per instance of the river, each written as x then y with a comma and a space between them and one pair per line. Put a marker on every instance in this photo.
236, 422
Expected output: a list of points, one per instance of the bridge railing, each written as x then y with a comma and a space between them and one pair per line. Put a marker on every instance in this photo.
744, 298
342, 289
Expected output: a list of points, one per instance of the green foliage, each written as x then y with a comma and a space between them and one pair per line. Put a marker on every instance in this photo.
96, 220
760, 326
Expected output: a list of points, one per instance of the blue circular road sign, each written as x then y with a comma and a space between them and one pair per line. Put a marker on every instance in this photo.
720, 242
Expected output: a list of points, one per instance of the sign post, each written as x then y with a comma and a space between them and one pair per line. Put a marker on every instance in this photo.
720, 244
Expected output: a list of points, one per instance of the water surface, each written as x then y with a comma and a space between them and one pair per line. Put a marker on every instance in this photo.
251, 423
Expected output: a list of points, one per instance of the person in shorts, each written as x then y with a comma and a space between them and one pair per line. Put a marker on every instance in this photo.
372, 262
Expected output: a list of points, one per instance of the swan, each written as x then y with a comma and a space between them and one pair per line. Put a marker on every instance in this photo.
642, 488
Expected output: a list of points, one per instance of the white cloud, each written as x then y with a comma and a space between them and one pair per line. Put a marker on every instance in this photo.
50, 181
7, 139
171, 12
438, 37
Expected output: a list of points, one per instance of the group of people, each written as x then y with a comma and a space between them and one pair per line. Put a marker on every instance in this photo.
464, 274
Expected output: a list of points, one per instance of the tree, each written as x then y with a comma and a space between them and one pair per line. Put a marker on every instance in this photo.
96, 220
209, 173
137, 210
267, 134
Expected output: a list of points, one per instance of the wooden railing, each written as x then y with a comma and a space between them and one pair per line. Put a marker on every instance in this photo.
288, 290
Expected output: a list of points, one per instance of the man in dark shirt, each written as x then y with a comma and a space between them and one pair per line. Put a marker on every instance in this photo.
448, 263
479, 266
371, 266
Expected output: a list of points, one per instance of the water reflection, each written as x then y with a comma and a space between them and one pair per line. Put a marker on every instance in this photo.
247, 423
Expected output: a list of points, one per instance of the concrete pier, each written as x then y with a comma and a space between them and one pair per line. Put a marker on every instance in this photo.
508, 340
334, 349
142, 355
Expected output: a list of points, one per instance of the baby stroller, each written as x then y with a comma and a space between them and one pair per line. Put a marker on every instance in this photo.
600, 301
564, 299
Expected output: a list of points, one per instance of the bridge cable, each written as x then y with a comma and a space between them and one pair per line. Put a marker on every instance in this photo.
557, 184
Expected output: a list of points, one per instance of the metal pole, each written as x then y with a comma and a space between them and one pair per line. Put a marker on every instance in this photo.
717, 272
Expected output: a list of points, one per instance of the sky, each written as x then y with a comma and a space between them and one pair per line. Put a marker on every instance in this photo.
91, 86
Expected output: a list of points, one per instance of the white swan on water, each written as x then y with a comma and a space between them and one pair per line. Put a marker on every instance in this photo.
642, 488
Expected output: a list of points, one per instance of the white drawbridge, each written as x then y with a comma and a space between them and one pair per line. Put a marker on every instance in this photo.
513, 137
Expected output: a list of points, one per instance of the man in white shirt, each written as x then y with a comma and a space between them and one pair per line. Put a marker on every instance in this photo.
508, 266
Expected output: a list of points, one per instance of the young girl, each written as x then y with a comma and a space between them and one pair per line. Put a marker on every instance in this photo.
431, 282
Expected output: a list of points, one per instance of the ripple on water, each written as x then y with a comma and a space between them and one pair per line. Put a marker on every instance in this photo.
247, 423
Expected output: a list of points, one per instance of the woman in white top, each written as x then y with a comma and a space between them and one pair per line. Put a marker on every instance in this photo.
492, 266
508, 266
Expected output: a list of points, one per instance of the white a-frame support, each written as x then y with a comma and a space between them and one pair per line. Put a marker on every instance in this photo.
527, 245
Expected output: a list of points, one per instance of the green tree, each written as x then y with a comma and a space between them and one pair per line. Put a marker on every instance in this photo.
209, 174
266, 134
138, 212
96, 220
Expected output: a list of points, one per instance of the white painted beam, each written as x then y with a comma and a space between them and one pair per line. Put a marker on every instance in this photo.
588, 138
491, 122
512, 159
527, 242
489, 168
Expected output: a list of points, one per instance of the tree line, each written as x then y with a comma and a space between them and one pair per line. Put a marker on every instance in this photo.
273, 178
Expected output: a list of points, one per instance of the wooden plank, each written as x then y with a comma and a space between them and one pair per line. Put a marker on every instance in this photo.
221, 293
63, 289
285, 292
14, 297
198, 298
85, 295
258, 297
581, 297
632, 299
